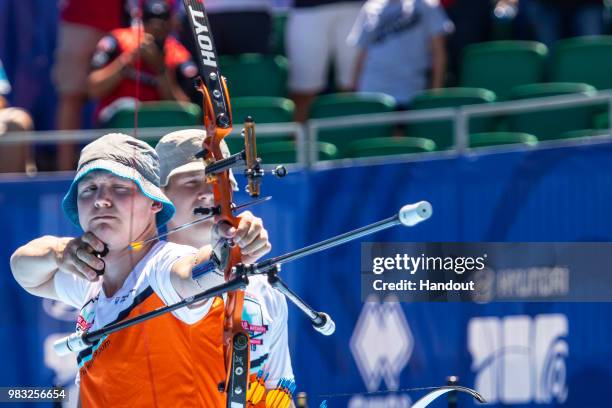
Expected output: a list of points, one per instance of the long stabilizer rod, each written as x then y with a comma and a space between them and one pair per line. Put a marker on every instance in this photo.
409, 215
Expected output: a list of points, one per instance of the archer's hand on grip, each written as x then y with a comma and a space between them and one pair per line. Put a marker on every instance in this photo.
82, 256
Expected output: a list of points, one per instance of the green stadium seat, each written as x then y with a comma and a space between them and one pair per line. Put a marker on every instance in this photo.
584, 59
255, 74
550, 124
451, 97
286, 152
545, 89
386, 146
263, 109
346, 104
235, 143
577, 134
441, 131
602, 120
157, 114
503, 65
501, 138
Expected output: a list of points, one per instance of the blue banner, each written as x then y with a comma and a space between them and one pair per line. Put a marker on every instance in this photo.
515, 354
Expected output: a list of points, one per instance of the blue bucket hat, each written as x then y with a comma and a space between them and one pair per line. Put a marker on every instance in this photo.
126, 157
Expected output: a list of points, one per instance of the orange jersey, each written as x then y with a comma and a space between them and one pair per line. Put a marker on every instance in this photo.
160, 363
173, 360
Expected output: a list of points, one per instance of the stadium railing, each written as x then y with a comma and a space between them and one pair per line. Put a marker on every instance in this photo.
306, 134
461, 116
265, 130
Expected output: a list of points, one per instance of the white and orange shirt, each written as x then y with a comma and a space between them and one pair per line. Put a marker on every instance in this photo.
264, 317
166, 361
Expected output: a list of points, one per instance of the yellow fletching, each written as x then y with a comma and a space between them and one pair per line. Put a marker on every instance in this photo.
136, 246
284, 402
258, 395
278, 399
251, 390
270, 398
283, 399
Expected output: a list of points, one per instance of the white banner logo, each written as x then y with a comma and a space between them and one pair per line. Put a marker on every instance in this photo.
520, 359
381, 344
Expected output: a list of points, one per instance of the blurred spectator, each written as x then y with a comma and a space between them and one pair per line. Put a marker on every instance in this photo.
316, 33
555, 19
83, 23
402, 47
126, 70
238, 26
14, 158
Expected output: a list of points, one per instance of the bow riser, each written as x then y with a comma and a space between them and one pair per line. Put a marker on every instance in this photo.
218, 124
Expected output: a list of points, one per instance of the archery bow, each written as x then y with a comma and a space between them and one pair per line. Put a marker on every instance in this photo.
218, 124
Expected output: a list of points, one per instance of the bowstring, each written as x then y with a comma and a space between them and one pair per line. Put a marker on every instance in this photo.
139, 27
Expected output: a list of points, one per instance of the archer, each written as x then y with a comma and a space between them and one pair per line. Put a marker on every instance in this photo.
116, 199
265, 313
